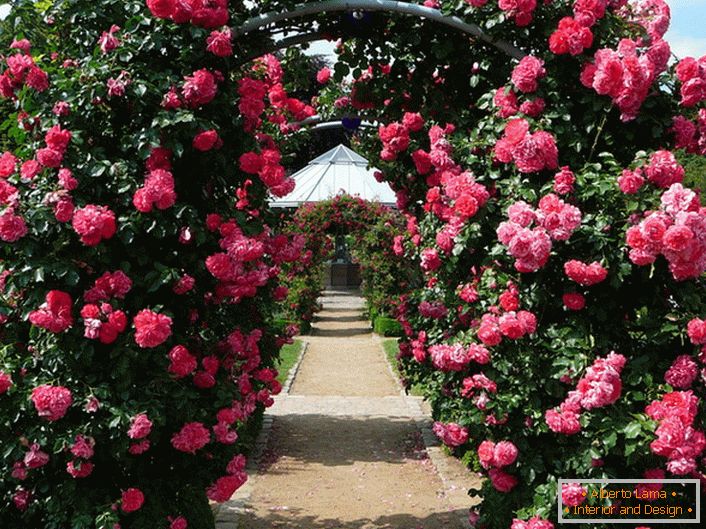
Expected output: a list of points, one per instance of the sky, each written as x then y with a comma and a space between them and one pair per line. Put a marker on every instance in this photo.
687, 33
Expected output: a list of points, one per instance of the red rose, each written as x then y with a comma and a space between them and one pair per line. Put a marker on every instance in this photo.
132, 500
207, 140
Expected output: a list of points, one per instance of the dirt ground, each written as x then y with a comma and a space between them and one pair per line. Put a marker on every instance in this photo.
344, 451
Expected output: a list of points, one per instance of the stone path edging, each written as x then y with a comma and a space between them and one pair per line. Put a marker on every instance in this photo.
230, 514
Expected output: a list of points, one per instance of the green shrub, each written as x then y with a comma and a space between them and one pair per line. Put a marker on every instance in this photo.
387, 326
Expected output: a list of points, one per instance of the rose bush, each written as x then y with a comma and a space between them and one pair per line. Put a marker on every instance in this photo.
550, 214
559, 319
138, 264
370, 226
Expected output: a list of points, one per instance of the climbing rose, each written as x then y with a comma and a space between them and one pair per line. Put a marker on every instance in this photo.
207, 140
696, 329
531, 152
564, 181
179, 523
55, 313
570, 37
111, 284
533, 523
497, 455
132, 500
451, 434
182, 363
563, 421
51, 402
572, 494
30, 169
677, 231
12, 227
501, 480
430, 260
103, 323
140, 427
574, 301
220, 43
67, 180
5, 382
601, 385
158, 190
191, 438
83, 447
93, 224
682, 372
199, 88
533, 107
79, 469
184, 284
527, 73
630, 182
323, 75
506, 101
520, 10
449, 357
224, 487
8, 164
677, 439
585, 274
151, 329
161, 8
108, 41
664, 170
35, 458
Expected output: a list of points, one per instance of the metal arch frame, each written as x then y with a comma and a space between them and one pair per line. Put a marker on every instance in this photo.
326, 6
326, 125
286, 42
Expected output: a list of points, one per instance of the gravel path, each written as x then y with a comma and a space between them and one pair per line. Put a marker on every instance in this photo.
345, 450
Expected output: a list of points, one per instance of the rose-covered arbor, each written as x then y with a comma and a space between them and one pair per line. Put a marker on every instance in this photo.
544, 208
370, 226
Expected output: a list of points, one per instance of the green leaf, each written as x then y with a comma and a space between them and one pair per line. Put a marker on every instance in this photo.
632, 430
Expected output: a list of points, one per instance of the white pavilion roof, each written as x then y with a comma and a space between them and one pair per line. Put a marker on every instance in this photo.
337, 171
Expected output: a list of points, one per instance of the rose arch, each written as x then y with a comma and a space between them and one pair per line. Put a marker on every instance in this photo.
558, 326
369, 227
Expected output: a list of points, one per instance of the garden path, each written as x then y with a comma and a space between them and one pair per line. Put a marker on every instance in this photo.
345, 448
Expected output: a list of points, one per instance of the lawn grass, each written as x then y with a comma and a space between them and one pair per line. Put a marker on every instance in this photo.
287, 358
391, 348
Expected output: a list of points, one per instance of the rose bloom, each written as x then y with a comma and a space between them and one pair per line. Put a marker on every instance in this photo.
682, 372
79, 469
140, 426
12, 227
132, 500
83, 447
574, 301
151, 329
179, 523
526, 74
323, 75
5, 382
51, 402
220, 43
224, 487
191, 438
696, 329
572, 494
451, 434
501, 480
93, 224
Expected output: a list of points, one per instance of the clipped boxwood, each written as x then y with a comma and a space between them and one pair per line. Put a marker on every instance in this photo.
387, 327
